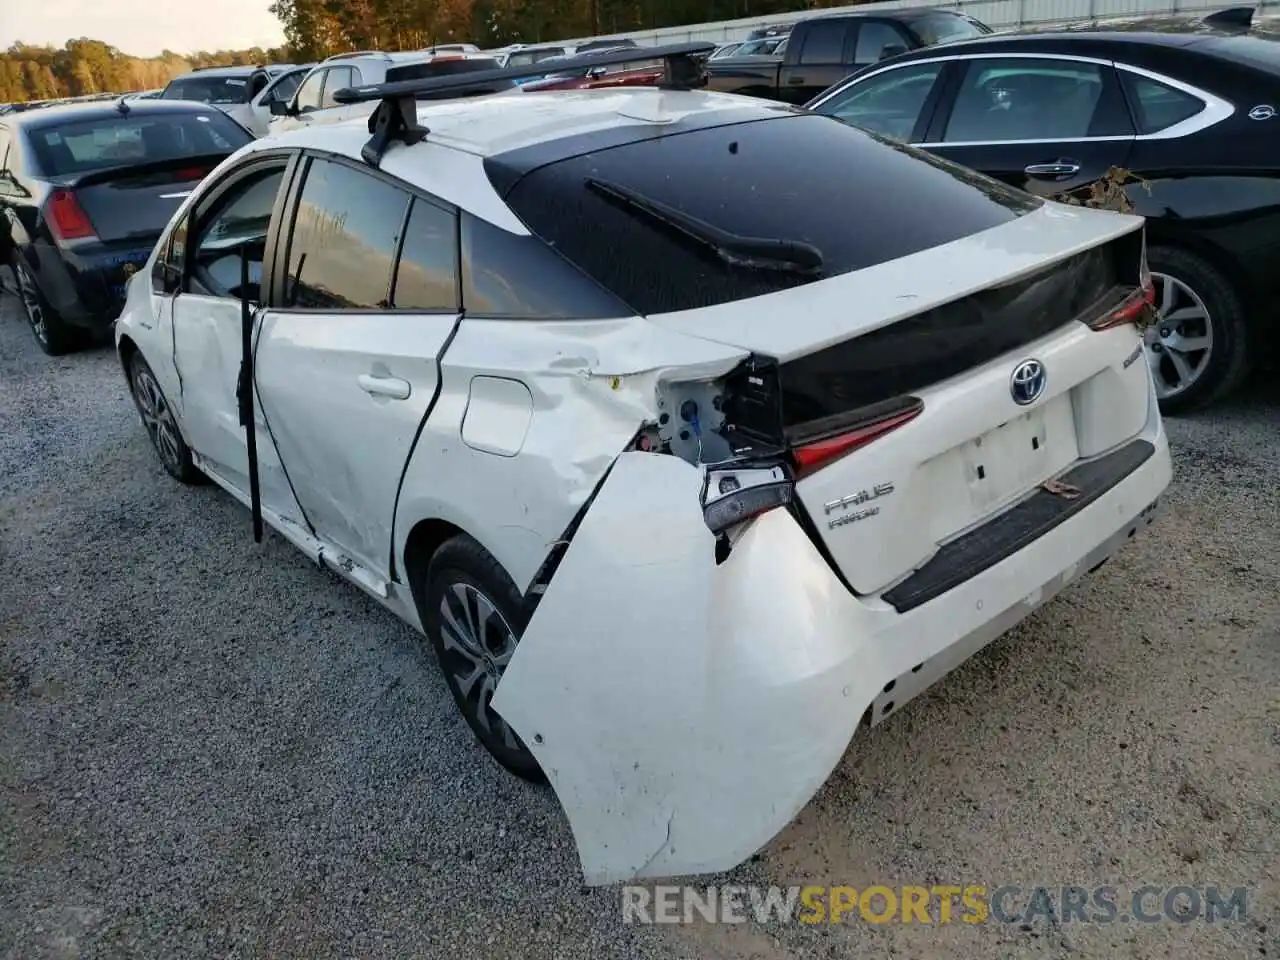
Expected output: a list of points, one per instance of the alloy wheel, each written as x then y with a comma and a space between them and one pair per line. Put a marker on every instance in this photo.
158, 418
1180, 342
478, 644
31, 304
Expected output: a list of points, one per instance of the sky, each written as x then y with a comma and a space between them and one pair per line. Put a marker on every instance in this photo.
142, 27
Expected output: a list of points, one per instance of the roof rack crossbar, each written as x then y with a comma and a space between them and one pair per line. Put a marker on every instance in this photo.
396, 117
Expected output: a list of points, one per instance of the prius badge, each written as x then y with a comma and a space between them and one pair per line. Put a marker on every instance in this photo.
1027, 383
855, 500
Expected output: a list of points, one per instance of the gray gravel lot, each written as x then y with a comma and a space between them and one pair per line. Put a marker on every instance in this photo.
211, 748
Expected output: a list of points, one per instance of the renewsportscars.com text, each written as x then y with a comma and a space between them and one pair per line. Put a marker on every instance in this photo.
934, 904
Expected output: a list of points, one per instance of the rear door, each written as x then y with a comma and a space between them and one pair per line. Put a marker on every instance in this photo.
1045, 124
366, 298
820, 52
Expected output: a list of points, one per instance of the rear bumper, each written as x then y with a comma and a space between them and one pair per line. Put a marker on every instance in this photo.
87, 287
685, 711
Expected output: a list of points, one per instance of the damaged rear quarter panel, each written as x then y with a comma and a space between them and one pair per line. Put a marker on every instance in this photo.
684, 712
592, 384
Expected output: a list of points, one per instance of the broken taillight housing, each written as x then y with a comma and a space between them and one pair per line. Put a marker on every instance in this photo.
733, 495
1133, 309
736, 493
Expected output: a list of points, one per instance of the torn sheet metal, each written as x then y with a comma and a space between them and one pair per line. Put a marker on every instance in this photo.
695, 723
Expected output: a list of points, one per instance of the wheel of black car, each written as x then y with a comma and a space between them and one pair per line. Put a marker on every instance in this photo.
161, 424
474, 618
1198, 349
52, 334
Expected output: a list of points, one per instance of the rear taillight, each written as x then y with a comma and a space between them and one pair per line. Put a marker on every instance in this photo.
67, 218
192, 173
1132, 309
814, 454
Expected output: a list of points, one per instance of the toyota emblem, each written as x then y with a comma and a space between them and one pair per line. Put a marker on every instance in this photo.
1027, 383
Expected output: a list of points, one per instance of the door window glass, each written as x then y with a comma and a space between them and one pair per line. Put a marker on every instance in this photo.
889, 103
283, 90
339, 78
1025, 99
309, 92
344, 239
823, 42
876, 41
427, 273
1158, 106
236, 227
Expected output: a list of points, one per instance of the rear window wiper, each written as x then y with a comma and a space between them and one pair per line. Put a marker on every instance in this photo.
733, 248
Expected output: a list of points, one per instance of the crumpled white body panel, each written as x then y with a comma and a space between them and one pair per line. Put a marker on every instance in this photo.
678, 706
685, 711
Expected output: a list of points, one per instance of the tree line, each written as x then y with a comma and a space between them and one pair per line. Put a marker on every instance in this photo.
90, 66
315, 29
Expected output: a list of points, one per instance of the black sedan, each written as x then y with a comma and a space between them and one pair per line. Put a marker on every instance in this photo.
85, 190
1190, 109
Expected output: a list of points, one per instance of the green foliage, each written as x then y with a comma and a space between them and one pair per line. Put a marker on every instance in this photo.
90, 66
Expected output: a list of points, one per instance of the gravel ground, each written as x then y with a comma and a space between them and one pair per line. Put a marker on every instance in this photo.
212, 748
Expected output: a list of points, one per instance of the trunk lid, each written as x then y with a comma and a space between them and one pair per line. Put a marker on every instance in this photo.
135, 202
958, 427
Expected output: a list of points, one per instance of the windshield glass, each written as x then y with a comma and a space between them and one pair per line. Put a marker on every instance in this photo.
757, 48
72, 149
208, 89
943, 28
527, 58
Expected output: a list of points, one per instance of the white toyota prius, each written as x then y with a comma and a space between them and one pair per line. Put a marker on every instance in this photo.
694, 432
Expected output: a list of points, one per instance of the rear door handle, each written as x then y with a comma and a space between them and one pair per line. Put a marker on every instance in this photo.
392, 387
1059, 168
795, 81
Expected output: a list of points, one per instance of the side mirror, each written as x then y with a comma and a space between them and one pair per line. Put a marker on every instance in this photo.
892, 50
279, 108
165, 279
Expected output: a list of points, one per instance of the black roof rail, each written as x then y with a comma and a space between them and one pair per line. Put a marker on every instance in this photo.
355, 53
1237, 18
396, 118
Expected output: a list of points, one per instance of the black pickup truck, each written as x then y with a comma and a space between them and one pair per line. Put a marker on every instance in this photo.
824, 50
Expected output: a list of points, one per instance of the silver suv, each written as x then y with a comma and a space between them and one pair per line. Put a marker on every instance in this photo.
314, 101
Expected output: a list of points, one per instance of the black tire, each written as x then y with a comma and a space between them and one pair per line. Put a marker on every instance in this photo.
1229, 357
161, 424
463, 572
51, 332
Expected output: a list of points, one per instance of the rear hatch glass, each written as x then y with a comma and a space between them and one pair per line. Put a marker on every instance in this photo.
132, 172
856, 199
208, 89
115, 140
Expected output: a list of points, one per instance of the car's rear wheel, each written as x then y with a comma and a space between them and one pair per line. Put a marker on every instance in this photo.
161, 423
52, 334
474, 616
1198, 348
